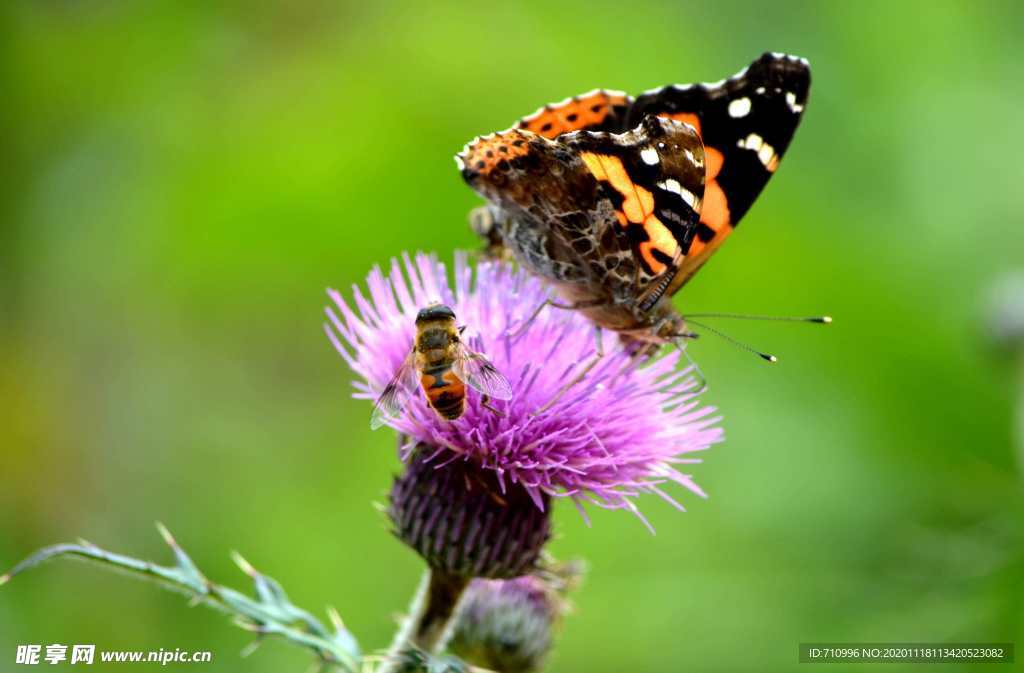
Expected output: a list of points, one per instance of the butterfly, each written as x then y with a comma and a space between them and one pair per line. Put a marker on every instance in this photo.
618, 201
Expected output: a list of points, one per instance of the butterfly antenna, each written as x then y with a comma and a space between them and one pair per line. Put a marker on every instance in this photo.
740, 344
820, 319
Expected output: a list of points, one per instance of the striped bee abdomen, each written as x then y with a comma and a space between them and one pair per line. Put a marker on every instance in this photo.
445, 392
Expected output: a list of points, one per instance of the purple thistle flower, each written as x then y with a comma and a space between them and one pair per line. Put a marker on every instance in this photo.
619, 432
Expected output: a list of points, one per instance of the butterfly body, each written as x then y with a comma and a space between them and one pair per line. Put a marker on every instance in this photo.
618, 201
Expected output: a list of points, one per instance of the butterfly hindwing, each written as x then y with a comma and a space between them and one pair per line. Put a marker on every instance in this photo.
615, 209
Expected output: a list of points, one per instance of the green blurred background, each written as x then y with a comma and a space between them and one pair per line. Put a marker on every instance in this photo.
182, 181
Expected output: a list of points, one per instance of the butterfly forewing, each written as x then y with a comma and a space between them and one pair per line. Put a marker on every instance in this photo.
611, 211
653, 176
746, 123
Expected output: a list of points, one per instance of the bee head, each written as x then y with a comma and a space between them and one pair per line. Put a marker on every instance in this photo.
434, 312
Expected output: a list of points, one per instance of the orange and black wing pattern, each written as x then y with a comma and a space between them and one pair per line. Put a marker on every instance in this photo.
653, 178
746, 123
612, 213
597, 110
618, 200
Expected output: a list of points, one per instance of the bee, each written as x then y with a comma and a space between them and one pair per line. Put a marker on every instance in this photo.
618, 201
442, 366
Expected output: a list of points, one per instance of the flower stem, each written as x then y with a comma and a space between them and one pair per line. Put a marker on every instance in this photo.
428, 626
435, 625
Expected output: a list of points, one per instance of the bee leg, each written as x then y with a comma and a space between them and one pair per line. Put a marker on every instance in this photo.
579, 377
485, 402
520, 328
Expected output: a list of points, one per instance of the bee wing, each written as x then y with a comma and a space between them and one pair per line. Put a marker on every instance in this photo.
396, 393
478, 373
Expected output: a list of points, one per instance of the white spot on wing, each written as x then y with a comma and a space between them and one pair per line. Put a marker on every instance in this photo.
673, 186
739, 107
791, 102
751, 142
755, 143
650, 156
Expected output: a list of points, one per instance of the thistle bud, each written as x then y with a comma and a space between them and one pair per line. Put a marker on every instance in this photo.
507, 626
460, 519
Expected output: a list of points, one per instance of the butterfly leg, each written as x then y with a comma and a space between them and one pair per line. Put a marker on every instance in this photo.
520, 328
579, 376
678, 341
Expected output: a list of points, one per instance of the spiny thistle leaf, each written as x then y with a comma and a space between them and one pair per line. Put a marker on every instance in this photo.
271, 613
